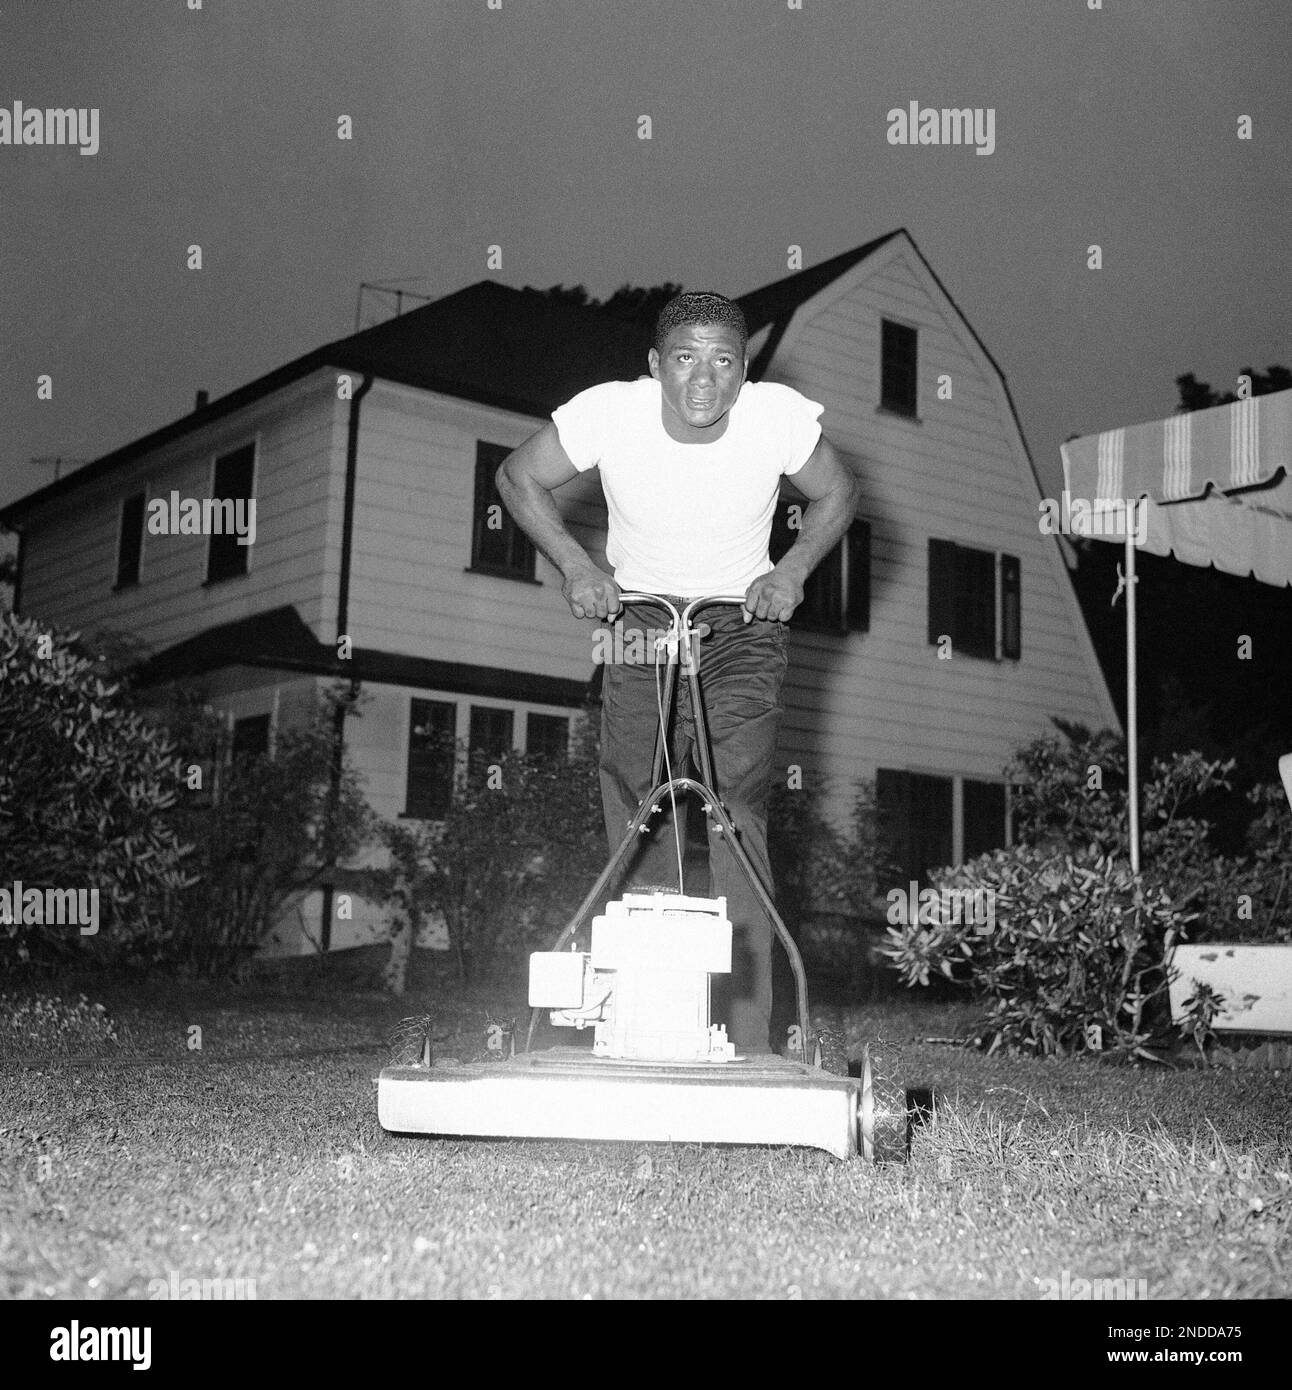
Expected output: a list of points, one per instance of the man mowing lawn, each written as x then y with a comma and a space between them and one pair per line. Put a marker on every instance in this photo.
691, 460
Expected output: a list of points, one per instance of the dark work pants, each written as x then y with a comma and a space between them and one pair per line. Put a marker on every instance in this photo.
741, 669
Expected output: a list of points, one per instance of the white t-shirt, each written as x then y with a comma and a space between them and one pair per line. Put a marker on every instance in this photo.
688, 519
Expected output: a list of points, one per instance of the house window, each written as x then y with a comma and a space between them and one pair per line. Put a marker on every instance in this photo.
130, 541
984, 816
431, 757
547, 736
967, 605
234, 475
836, 596
491, 730
915, 814
251, 737
498, 545
898, 358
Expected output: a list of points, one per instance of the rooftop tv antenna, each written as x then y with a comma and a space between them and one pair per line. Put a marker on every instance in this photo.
385, 291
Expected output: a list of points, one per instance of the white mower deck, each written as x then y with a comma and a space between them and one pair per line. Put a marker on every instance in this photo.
567, 1093
660, 1068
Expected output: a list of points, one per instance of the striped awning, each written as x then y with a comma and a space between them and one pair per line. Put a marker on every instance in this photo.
1219, 483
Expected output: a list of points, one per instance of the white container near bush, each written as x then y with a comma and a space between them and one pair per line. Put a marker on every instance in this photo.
1255, 981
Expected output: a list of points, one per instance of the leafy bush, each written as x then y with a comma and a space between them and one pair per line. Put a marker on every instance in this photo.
515, 853
1077, 944
265, 827
1073, 960
86, 785
1072, 792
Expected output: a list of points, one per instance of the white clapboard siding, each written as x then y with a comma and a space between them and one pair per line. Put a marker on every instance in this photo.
882, 698
411, 590
70, 552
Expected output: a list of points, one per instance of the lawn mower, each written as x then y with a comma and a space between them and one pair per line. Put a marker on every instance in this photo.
658, 1068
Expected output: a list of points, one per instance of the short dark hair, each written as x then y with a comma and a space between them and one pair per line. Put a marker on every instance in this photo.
700, 306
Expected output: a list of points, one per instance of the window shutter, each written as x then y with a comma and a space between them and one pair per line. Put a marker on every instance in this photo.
234, 474
130, 545
942, 590
858, 596
984, 816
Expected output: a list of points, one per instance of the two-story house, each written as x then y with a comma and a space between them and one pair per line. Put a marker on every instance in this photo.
939, 636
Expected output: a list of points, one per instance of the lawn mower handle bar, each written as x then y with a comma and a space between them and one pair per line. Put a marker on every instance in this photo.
685, 614
682, 625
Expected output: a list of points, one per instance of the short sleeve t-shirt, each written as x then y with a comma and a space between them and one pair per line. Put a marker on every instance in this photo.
688, 519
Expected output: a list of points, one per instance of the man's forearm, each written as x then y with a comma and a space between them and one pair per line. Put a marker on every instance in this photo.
824, 524
532, 508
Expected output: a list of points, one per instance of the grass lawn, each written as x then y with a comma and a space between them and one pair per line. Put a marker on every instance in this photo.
259, 1157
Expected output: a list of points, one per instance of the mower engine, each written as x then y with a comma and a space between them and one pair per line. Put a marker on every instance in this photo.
644, 985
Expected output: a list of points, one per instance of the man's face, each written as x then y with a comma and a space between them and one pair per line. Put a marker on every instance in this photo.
700, 371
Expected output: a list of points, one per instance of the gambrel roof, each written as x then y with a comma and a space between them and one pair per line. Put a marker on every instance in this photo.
514, 349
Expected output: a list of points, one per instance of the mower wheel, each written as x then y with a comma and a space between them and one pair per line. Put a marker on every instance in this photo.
883, 1120
410, 1042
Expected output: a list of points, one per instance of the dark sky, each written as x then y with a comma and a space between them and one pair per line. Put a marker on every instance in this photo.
518, 126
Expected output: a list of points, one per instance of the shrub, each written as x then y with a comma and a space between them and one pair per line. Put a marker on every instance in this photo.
515, 853
1074, 959
1077, 943
86, 784
265, 826
1240, 898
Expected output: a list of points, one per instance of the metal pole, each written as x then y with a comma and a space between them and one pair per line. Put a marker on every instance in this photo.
1132, 709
